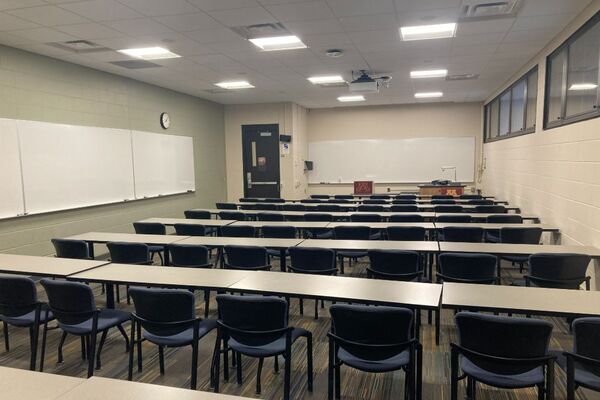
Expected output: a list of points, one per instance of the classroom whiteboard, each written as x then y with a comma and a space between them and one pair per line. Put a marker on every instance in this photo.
163, 164
70, 166
415, 160
11, 192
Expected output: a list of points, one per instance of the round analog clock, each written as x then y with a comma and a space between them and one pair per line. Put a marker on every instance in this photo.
165, 120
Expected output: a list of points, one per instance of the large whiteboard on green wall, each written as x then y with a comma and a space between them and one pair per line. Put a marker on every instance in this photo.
414, 160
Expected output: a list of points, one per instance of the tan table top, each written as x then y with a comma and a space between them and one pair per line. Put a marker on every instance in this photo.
44, 266
97, 388
545, 227
342, 288
383, 225
189, 221
104, 237
295, 224
521, 299
524, 249
484, 216
19, 384
343, 214
425, 246
219, 241
162, 276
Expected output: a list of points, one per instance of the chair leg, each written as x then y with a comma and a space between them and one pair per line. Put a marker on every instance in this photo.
83, 348
550, 381
317, 309
100, 346
117, 293
238, 369
419, 367
309, 361
161, 359
337, 381
6, 343
124, 334
276, 365
301, 303
287, 374
63, 337
540, 392
193, 383
330, 367
206, 302
131, 349
217, 362
454, 375
138, 333
570, 379
91, 353
258, 372
225, 361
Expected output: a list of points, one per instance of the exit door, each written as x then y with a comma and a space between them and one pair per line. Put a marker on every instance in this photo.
260, 147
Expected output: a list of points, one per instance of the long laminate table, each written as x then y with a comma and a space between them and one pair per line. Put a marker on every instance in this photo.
335, 214
384, 225
19, 384
422, 247
44, 266
217, 223
484, 216
295, 224
553, 230
348, 207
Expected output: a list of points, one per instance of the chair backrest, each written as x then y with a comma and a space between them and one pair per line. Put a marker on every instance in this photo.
441, 196
480, 202
149, 228
311, 201
293, 207
379, 196
160, 310
443, 201
405, 197
189, 255
470, 196
234, 215
365, 218
406, 218
270, 217
265, 207
129, 253
448, 209
495, 209
454, 218
404, 201
328, 207
371, 329
238, 231
313, 260
274, 200
246, 257
318, 217
465, 267
522, 235
374, 201
404, 208
394, 264
226, 206
281, 232
69, 248
548, 270
70, 302
190, 230
343, 196
586, 332
507, 337
504, 219
463, 234
319, 196
197, 214
352, 232
342, 201
248, 200
415, 233
370, 208
248, 206
18, 295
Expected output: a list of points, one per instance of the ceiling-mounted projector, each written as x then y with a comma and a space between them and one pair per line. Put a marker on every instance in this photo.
364, 84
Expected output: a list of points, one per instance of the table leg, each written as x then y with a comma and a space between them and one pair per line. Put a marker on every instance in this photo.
282, 260
110, 295
166, 256
555, 237
596, 281
418, 323
91, 249
499, 268
438, 314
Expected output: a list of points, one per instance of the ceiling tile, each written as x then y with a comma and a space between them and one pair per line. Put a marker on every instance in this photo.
153, 8
12, 4
189, 22
549, 7
369, 22
90, 30
213, 35
43, 35
350, 8
243, 16
314, 27
306, 10
10, 22
428, 17
101, 10
48, 15
216, 5
491, 26
411, 5
556, 21
138, 26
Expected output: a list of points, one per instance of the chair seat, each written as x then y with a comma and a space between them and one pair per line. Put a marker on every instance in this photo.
492, 236
276, 252
183, 338
27, 320
271, 349
517, 259
389, 364
583, 376
375, 236
526, 379
107, 318
155, 249
352, 253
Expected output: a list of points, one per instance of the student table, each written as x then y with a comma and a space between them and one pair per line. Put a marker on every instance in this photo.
21, 384
295, 224
482, 216
45, 266
190, 221
334, 214
554, 231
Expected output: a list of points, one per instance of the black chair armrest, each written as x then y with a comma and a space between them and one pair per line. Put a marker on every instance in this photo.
314, 271
582, 359
385, 275
460, 280
575, 281
260, 268
342, 341
502, 360
207, 265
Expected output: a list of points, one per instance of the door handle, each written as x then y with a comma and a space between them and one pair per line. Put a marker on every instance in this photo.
249, 180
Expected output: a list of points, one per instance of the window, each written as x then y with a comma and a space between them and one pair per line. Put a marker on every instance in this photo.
512, 113
572, 80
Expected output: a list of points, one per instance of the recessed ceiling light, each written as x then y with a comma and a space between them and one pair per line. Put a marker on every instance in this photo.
422, 32
583, 86
345, 99
428, 95
320, 80
231, 85
278, 43
433, 73
149, 53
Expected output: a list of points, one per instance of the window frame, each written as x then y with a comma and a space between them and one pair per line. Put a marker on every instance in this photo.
565, 47
526, 130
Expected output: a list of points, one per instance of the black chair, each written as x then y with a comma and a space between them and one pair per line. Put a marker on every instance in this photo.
248, 206
257, 326
316, 261
405, 197
270, 217
293, 207
249, 258
370, 208
319, 196
406, 233
582, 365
226, 206
562, 271
192, 256
441, 197
467, 268
167, 318
406, 218
69, 248
232, 215
503, 352
448, 209
454, 218
397, 265
247, 200
319, 233
343, 197
246, 231
380, 196
20, 307
481, 202
328, 208
405, 202
340, 201
405, 208
520, 235
470, 196
493, 236
190, 230
495, 209
152, 228
351, 233
443, 201
74, 307
278, 232
311, 201
375, 201
365, 218
266, 207
128, 253
373, 339
462, 234
197, 214
274, 200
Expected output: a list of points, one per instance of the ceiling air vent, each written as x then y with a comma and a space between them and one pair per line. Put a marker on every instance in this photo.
135, 64
462, 77
261, 30
79, 46
473, 10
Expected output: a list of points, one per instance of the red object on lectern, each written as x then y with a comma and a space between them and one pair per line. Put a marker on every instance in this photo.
363, 187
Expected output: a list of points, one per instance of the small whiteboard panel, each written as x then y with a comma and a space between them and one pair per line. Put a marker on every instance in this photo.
403, 160
69, 166
11, 192
163, 164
